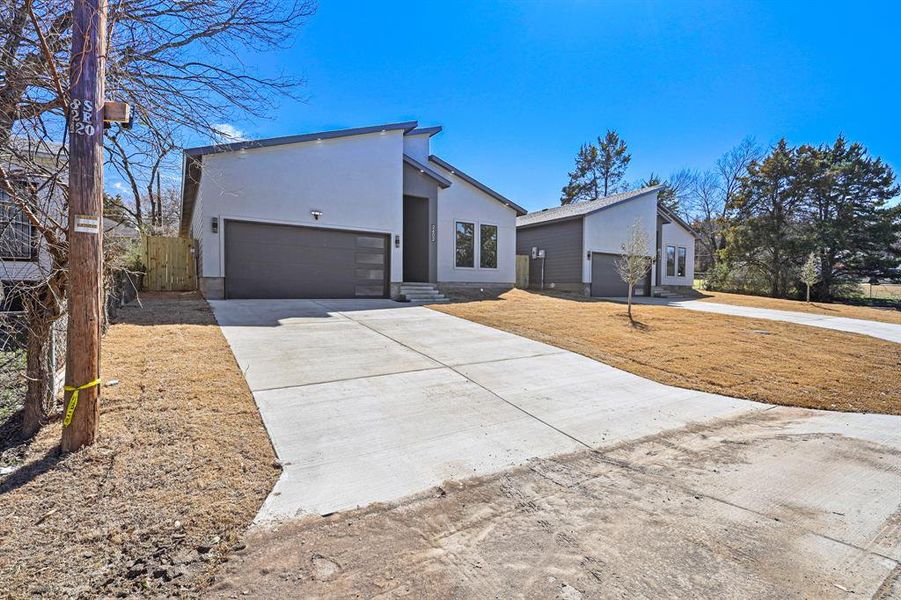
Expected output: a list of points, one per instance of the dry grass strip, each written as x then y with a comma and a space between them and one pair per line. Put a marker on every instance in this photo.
766, 361
180, 469
819, 308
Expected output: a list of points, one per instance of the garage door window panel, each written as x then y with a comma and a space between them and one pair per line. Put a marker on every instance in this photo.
464, 245
488, 246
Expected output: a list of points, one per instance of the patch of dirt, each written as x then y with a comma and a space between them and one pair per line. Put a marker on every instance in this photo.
832, 309
638, 521
792, 365
181, 466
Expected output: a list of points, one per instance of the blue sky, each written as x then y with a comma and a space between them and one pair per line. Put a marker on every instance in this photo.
519, 86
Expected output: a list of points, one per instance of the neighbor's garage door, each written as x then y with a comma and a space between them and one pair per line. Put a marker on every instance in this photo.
282, 261
605, 281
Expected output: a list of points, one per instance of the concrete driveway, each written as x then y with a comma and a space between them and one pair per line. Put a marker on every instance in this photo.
663, 489
877, 329
369, 401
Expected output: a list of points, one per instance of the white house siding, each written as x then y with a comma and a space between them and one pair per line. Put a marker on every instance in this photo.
356, 181
16, 270
36, 270
674, 234
607, 229
464, 202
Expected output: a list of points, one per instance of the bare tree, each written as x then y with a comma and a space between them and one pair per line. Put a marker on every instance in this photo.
711, 195
178, 64
634, 261
144, 164
33, 190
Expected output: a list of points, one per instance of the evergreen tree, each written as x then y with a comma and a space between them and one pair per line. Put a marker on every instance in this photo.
765, 235
584, 180
850, 224
614, 159
599, 168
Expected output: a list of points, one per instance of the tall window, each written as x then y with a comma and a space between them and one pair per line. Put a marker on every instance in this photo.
16, 236
488, 246
670, 261
681, 270
465, 245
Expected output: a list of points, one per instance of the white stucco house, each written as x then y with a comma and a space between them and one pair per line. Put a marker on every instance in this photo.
573, 247
354, 213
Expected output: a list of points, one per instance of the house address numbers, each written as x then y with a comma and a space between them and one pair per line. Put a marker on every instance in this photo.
82, 115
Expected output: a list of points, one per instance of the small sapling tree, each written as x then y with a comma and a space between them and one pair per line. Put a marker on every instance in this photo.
810, 272
633, 263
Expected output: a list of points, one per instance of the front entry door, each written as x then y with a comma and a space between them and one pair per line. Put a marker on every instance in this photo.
416, 239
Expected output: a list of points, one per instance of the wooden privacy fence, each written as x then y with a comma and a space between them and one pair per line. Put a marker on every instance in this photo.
522, 271
169, 262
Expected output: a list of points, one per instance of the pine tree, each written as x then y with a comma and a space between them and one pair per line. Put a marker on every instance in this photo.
765, 234
599, 168
850, 224
614, 159
584, 180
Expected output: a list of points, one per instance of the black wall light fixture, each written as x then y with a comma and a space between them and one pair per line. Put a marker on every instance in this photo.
214, 224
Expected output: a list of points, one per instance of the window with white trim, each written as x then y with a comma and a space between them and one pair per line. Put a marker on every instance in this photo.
488, 246
670, 261
17, 241
681, 266
465, 245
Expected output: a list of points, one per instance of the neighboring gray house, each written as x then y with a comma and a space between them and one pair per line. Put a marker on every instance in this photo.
573, 247
355, 213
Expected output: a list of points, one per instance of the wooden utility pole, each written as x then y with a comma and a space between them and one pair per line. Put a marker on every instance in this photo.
85, 289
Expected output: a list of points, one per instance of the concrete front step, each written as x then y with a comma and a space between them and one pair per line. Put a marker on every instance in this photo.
425, 296
421, 292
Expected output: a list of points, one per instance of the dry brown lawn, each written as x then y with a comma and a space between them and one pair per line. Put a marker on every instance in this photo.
767, 361
820, 308
180, 469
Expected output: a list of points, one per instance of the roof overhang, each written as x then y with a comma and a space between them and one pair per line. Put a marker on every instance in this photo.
406, 126
551, 221
586, 208
437, 178
481, 186
429, 131
190, 183
673, 217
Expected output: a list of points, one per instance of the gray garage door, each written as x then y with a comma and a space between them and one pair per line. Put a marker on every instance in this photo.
605, 281
282, 261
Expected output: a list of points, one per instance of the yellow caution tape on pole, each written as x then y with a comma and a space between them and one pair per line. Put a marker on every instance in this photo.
73, 401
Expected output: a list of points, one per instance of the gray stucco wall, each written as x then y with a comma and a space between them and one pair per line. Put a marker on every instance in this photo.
562, 244
418, 185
